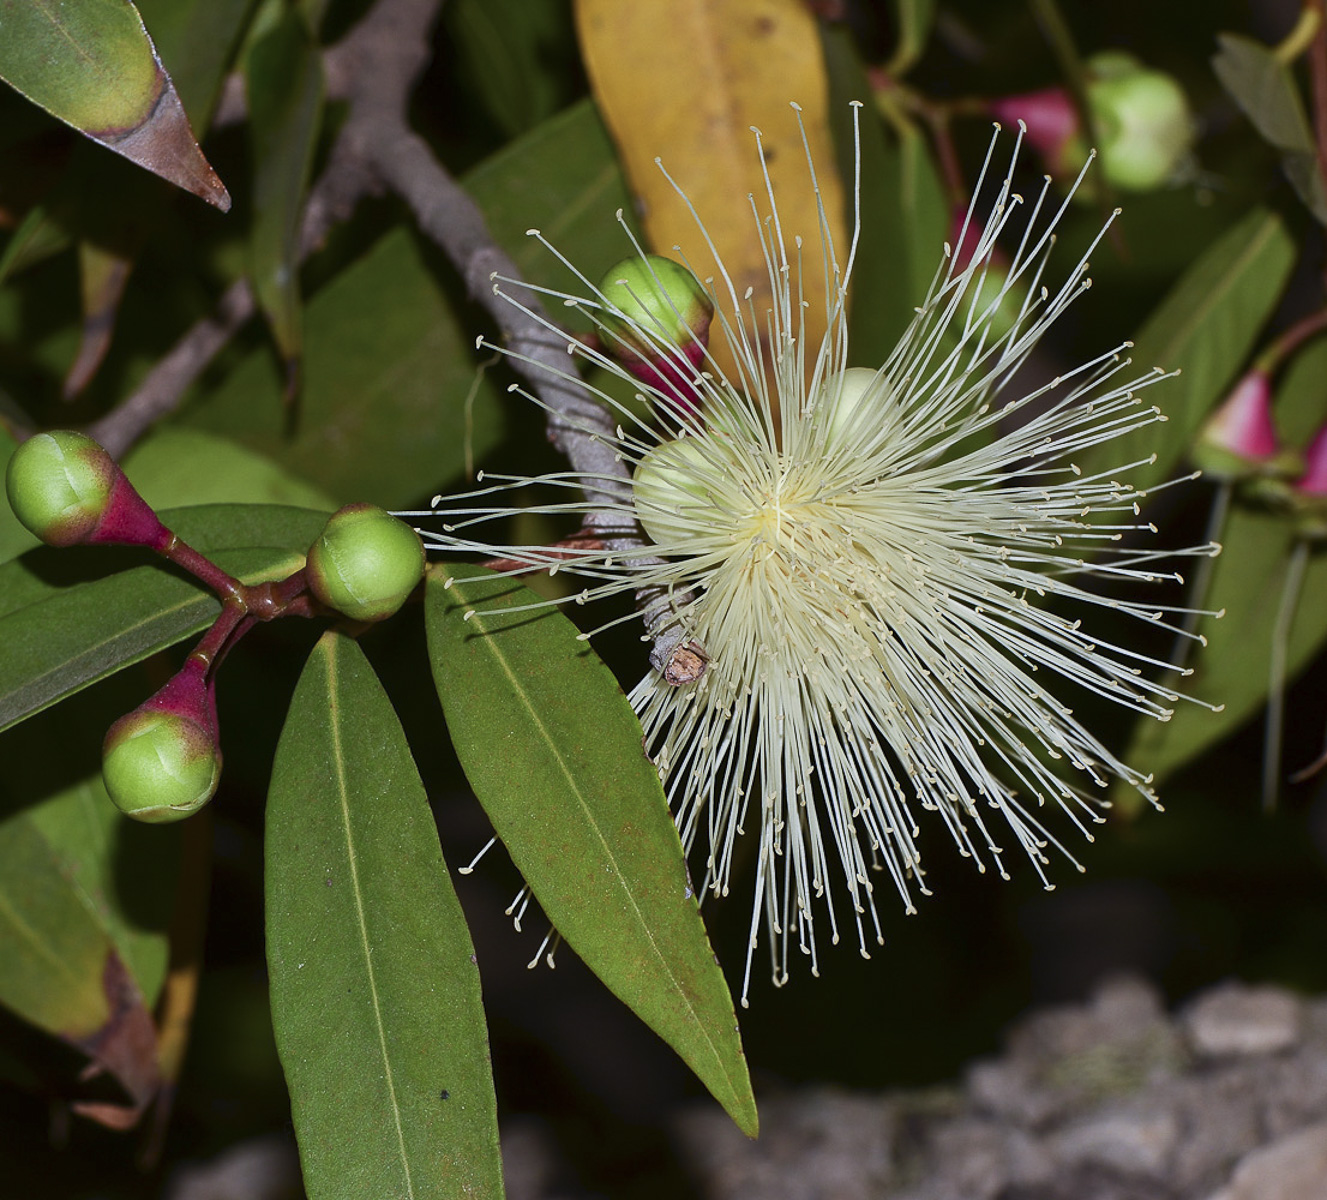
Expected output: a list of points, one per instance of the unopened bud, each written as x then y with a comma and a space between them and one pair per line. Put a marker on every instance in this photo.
658, 317
161, 762
1052, 124
365, 563
1143, 121
1309, 494
1144, 126
850, 403
67, 490
673, 483
1239, 440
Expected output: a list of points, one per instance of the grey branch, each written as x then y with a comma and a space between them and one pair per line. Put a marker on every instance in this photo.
375, 68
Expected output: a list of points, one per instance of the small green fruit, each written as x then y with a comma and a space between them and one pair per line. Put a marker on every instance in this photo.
59, 485
159, 766
365, 563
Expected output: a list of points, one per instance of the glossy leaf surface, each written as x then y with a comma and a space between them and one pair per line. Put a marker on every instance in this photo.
553, 751
375, 990
195, 40
1265, 88
386, 372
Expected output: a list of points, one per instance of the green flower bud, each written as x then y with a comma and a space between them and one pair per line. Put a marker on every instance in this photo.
365, 563
159, 766
59, 485
1143, 121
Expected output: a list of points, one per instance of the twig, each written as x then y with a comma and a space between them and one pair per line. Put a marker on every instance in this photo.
167, 382
376, 67
390, 47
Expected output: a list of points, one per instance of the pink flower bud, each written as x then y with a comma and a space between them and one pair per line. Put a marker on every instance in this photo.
1051, 122
67, 490
658, 321
1314, 480
1239, 439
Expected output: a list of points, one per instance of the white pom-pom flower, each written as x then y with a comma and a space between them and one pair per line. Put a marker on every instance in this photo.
857, 579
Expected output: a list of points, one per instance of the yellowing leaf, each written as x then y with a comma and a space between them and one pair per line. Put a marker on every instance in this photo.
684, 82
91, 64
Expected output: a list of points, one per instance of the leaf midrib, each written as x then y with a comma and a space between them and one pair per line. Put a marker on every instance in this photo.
520, 691
343, 795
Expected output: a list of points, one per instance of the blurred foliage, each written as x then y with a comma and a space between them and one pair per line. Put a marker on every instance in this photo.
360, 381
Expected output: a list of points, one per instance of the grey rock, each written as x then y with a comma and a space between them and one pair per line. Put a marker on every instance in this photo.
1236, 1019
262, 1168
1294, 1168
819, 1145
1133, 1140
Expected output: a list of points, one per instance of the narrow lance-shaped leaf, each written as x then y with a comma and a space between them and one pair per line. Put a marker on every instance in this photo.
375, 992
82, 616
1204, 328
553, 751
1264, 87
284, 82
60, 966
91, 64
1248, 583
912, 20
196, 40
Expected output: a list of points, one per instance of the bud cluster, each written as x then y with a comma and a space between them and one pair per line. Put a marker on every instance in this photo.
162, 761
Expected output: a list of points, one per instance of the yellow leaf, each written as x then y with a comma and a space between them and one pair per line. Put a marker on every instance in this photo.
684, 82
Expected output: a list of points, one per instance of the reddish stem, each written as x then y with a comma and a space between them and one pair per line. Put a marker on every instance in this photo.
204, 569
1291, 340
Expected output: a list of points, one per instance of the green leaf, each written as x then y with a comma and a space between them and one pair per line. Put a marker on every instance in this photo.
912, 21
1247, 582
375, 993
533, 712
284, 84
387, 373
1264, 87
121, 870
91, 64
509, 52
174, 466
1300, 408
1204, 328
563, 177
63, 626
52, 949
37, 237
